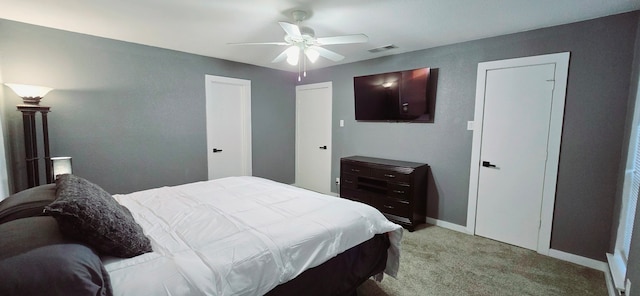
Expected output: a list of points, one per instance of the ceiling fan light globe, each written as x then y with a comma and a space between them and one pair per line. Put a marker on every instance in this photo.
293, 55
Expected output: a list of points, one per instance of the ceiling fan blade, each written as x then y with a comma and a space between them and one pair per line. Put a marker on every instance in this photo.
328, 54
280, 57
355, 38
291, 29
258, 43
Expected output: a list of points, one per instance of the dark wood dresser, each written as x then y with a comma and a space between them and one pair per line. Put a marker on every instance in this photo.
396, 188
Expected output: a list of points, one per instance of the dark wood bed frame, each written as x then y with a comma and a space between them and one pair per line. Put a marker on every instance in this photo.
341, 275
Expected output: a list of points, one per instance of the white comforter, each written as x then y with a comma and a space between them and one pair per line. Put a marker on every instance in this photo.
239, 236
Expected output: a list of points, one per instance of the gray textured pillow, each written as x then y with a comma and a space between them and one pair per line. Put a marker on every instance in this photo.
89, 214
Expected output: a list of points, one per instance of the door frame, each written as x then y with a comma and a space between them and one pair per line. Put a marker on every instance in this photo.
561, 61
328, 85
245, 119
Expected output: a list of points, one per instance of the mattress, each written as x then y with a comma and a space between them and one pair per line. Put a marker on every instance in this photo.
240, 236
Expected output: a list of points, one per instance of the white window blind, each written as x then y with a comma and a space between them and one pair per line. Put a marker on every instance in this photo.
629, 210
618, 260
4, 177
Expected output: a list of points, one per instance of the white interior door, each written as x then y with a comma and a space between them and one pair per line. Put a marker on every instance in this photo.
516, 147
228, 107
513, 153
313, 136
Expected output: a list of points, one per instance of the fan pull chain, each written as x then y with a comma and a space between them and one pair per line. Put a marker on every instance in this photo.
304, 60
299, 79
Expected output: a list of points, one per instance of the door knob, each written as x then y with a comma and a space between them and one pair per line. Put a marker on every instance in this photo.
216, 150
323, 147
488, 164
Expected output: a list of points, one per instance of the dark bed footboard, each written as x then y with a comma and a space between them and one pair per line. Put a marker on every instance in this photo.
342, 274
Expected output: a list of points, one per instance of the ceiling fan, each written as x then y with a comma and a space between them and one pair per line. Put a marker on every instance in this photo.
302, 40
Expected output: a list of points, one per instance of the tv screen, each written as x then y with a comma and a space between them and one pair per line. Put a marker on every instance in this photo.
395, 96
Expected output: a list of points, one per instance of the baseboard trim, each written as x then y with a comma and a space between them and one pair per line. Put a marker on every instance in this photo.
610, 285
617, 269
584, 261
448, 225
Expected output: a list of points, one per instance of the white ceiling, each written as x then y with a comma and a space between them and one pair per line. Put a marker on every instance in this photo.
205, 27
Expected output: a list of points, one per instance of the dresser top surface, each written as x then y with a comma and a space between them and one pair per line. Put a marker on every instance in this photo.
383, 161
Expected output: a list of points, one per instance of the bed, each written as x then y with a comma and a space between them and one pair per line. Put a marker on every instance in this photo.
231, 236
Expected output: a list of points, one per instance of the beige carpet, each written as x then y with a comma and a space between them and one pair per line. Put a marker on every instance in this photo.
438, 261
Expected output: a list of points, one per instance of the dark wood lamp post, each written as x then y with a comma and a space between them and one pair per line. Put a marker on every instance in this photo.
31, 96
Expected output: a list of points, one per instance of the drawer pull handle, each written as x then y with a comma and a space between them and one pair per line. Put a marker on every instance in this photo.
389, 207
389, 176
348, 181
355, 170
399, 191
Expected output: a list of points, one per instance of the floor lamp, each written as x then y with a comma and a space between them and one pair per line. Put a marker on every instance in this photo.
31, 96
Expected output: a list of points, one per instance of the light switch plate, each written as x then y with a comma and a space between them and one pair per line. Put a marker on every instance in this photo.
341, 122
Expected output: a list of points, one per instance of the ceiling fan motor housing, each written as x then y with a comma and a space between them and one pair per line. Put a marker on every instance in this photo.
299, 15
306, 38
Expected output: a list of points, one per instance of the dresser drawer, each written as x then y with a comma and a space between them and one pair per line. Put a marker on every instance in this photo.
390, 175
349, 180
399, 190
391, 206
351, 168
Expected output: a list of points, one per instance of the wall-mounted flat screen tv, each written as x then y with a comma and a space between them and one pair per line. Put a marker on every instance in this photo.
404, 96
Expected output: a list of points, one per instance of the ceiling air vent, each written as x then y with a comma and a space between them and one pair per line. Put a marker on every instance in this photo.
382, 48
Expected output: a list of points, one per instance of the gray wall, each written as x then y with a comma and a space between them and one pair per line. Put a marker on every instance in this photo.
593, 132
132, 116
